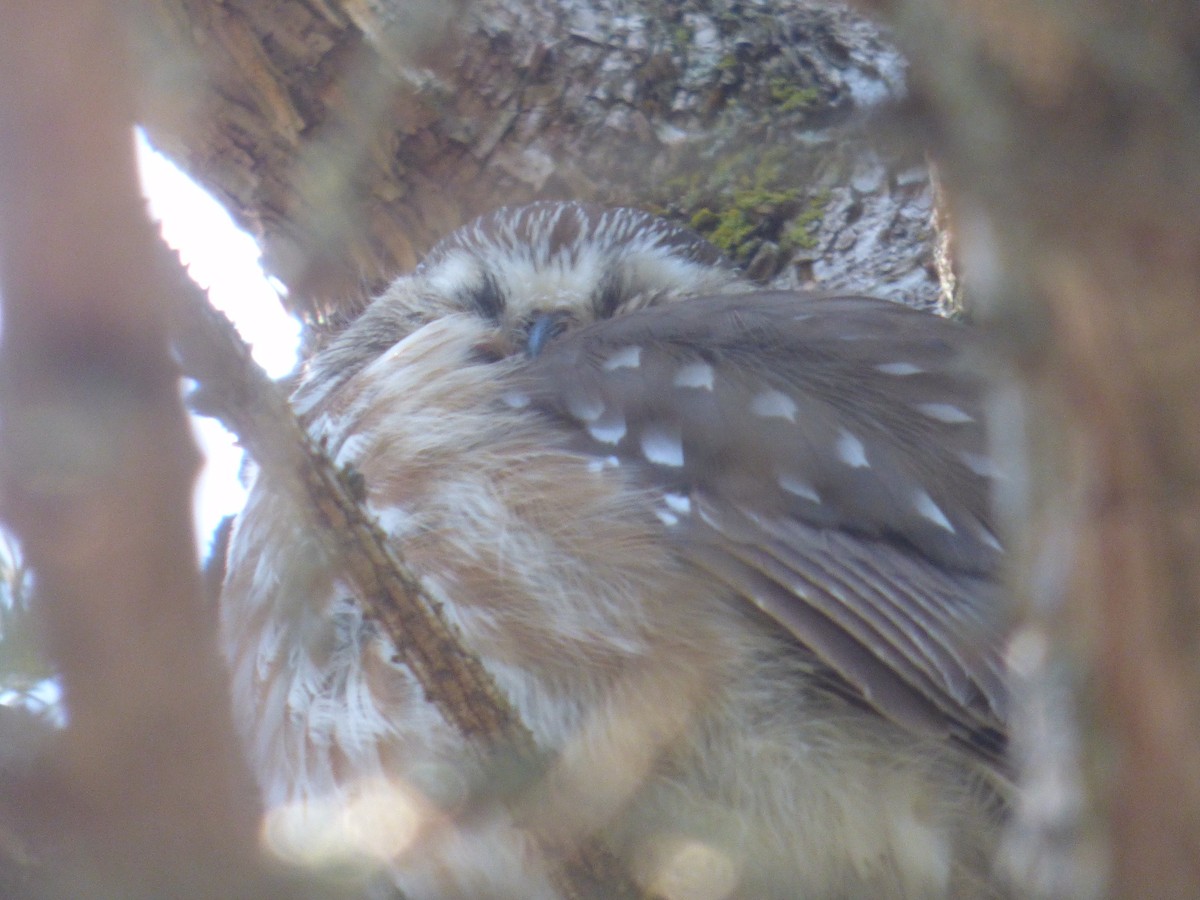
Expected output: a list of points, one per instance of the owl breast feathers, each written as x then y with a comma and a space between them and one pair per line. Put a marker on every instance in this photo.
727, 551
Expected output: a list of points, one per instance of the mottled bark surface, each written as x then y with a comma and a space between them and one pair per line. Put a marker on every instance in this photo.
349, 136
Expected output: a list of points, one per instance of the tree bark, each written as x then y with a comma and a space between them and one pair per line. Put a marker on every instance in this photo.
348, 136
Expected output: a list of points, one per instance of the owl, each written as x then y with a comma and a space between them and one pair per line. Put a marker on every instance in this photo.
727, 551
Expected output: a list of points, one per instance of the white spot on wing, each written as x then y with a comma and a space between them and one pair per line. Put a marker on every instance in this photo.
667, 517
694, 375
609, 431
851, 450
931, 511
663, 445
774, 405
979, 464
944, 412
899, 368
679, 503
707, 516
599, 465
799, 487
626, 358
990, 539
585, 408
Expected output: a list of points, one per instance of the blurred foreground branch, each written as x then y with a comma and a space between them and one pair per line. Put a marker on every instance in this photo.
144, 788
1069, 137
235, 390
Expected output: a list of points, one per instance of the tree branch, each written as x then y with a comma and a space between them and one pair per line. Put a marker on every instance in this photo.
96, 464
235, 390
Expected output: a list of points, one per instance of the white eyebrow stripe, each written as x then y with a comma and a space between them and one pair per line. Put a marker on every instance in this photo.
626, 358
694, 375
851, 450
772, 404
928, 509
944, 412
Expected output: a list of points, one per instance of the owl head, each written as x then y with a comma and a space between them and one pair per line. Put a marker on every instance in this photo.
824, 456
533, 272
582, 261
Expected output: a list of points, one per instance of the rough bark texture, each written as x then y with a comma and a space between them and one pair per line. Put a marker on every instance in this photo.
349, 136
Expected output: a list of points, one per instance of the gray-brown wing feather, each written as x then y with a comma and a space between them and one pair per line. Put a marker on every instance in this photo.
825, 458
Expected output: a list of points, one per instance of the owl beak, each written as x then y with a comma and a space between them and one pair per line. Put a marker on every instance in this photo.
543, 328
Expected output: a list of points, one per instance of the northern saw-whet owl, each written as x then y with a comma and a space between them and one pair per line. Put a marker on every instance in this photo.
726, 550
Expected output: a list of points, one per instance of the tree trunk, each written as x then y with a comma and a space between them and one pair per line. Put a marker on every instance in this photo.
348, 136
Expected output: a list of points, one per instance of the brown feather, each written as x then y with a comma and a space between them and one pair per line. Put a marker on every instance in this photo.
881, 557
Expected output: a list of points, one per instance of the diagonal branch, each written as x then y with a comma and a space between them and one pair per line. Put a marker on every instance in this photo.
144, 788
236, 391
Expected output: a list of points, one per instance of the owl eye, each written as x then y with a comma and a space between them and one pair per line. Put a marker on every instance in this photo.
487, 299
608, 299
494, 350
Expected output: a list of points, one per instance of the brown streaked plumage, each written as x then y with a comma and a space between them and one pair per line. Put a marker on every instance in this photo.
727, 551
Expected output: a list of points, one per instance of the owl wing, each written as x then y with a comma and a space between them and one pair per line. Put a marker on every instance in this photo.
824, 458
